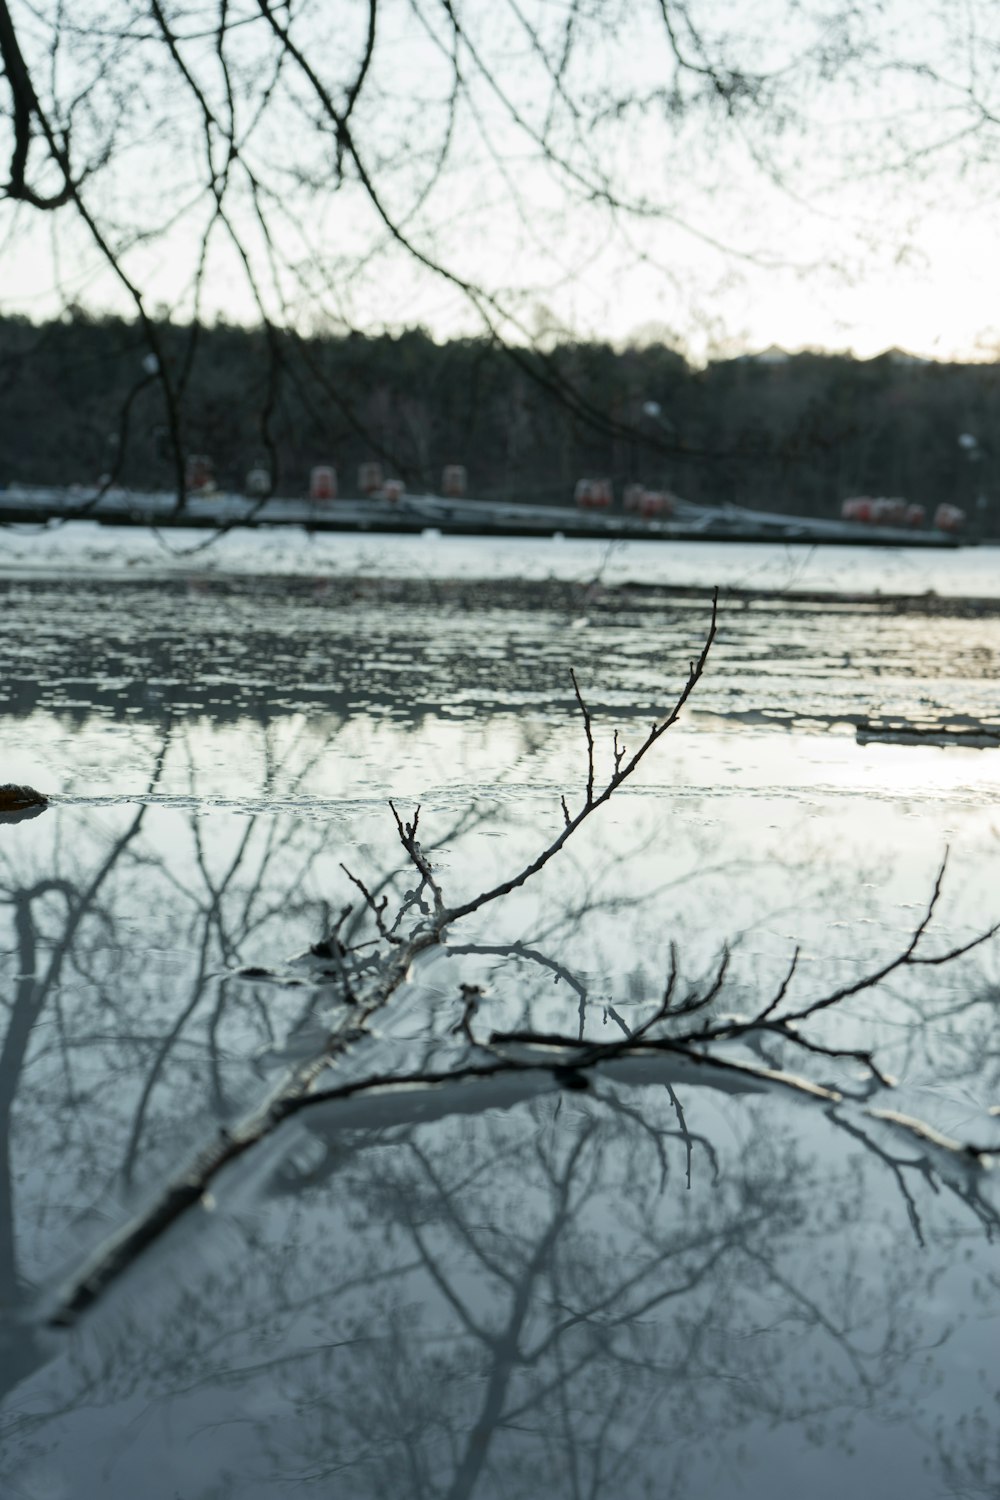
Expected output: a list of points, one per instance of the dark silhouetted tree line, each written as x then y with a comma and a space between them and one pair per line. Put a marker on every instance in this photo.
77, 401
322, 168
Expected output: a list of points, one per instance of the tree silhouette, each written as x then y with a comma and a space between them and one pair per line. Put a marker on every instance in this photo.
338, 170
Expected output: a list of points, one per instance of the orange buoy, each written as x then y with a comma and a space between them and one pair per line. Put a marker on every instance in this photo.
454, 480
369, 478
323, 482
949, 518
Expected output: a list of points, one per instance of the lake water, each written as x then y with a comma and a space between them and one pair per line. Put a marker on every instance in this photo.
248, 1249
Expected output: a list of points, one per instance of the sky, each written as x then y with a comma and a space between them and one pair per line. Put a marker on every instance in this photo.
844, 195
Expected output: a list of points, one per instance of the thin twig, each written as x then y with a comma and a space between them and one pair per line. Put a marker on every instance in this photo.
408, 838
377, 908
588, 730
471, 996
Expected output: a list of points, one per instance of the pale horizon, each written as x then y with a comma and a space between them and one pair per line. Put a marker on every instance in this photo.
854, 214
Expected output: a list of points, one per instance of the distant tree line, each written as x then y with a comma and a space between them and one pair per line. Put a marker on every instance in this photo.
79, 399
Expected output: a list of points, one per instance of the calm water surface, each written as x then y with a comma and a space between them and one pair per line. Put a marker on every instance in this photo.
687, 1279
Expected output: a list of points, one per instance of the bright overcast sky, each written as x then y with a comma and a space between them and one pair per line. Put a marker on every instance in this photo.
850, 203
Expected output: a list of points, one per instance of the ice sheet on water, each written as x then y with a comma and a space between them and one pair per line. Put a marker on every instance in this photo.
87, 548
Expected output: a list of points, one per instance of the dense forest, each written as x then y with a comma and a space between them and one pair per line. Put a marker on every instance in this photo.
800, 433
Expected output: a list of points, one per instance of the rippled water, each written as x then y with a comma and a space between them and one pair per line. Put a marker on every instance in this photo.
689, 1278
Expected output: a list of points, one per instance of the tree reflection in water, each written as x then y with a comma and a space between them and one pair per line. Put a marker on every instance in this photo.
122, 924
510, 1303
488, 1252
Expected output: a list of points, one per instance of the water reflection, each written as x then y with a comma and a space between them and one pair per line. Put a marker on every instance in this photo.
126, 1042
139, 1018
667, 1287
663, 1286
147, 1007
517, 1302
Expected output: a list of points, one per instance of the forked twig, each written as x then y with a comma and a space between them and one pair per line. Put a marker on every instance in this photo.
595, 799
408, 838
377, 908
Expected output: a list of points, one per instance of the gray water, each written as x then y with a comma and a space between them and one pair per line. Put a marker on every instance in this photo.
691, 1277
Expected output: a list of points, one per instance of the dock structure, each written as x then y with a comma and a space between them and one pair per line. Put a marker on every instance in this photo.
447, 514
